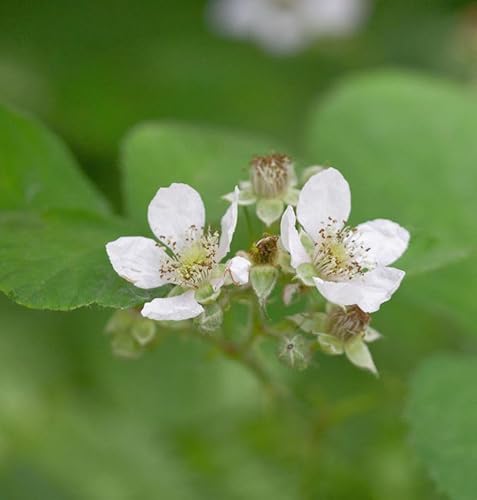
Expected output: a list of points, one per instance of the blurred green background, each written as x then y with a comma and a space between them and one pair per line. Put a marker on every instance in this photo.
183, 423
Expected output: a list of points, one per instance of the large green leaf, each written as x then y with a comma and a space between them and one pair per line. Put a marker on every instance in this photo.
442, 412
38, 172
212, 161
53, 257
58, 261
407, 145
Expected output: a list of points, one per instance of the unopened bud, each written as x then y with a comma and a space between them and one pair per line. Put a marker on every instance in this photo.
121, 319
144, 331
295, 352
130, 333
263, 279
211, 319
125, 346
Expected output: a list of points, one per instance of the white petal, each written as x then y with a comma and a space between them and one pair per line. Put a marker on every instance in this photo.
137, 260
326, 195
290, 239
386, 240
174, 213
173, 308
239, 268
228, 225
368, 292
358, 353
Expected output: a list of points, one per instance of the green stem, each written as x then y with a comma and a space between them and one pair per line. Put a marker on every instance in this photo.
248, 220
246, 358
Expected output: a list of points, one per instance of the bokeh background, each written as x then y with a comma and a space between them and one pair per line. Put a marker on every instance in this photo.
182, 422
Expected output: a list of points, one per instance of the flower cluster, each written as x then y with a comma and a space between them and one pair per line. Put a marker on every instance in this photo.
309, 250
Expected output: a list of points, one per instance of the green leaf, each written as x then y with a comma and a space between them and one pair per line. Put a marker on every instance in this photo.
442, 412
58, 261
38, 172
52, 253
407, 146
211, 161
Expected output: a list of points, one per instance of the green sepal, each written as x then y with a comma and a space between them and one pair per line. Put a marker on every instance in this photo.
263, 280
291, 196
295, 352
269, 210
206, 294
358, 353
144, 330
211, 319
306, 272
330, 344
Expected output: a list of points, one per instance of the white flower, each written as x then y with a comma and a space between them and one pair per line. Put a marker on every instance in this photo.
287, 26
271, 186
348, 265
187, 254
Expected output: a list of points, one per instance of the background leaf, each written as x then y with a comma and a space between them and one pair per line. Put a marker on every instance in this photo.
38, 172
407, 145
442, 413
211, 161
58, 261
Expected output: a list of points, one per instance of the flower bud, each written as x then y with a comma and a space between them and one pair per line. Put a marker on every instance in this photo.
211, 319
130, 333
125, 346
295, 352
144, 331
263, 279
119, 326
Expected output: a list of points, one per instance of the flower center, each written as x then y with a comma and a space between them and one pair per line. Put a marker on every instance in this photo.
347, 322
270, 175
339, 254
192, 266
265, 250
